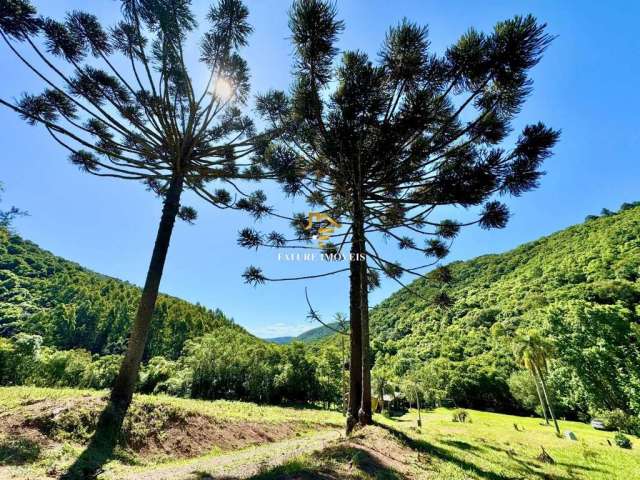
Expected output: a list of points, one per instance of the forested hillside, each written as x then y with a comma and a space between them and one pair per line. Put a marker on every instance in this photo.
580, 288
63, 325
72, 307
451, 335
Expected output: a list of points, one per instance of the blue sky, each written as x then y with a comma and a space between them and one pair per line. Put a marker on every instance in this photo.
585, 85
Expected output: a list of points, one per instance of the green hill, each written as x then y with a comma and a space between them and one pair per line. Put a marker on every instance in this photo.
580, 286
280, 340
318, 333
313, 335
72, 307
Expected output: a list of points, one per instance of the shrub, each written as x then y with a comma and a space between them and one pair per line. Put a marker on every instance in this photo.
155, 374
619, 420
8, 374
101, 372
523, 388
461, 415
24, 356
622, 440
61, 368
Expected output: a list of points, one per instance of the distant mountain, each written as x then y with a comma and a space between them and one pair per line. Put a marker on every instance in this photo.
313, 335
280, 340
318, 333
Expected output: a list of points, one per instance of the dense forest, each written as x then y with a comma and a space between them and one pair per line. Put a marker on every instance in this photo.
63, 325
578, 288
448, 337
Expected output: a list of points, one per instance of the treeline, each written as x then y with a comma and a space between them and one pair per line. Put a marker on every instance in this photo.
605, 212
579, 289
225, 365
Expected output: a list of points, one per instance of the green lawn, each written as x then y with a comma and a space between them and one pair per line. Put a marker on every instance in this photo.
490, 448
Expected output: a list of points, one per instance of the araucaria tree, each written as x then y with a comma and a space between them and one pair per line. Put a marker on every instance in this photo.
385, 147
122, 103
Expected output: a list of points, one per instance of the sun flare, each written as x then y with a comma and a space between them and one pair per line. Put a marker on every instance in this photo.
222, 89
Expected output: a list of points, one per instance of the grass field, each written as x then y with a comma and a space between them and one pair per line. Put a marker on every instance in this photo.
489, 447
11, 397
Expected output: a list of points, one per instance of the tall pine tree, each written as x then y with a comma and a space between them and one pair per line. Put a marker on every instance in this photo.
122, 103
388, 147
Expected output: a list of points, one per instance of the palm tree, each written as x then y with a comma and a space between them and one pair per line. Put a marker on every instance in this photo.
382, 376
532, 351
413, 391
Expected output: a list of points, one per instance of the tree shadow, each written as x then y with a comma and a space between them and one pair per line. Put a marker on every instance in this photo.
460, 445
526, 464
18, 451
443, 454
202, 475
338, 462
101, 446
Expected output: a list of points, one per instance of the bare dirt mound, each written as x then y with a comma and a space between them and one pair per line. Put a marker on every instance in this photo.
151, 430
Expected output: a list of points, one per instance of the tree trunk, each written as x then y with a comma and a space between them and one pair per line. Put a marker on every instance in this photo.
542, 404
343, 386
546, 397
418, 405
125, 383
355, 319
365, 415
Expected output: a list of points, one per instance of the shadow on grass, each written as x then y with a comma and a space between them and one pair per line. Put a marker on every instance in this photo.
445, 455
200, 475
18, 451
340, 461
101, 446
529, 464
460, 445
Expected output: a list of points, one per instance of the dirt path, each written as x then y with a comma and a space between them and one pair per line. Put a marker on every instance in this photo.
239, 465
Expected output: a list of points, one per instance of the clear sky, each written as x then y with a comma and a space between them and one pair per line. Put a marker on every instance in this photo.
586, 85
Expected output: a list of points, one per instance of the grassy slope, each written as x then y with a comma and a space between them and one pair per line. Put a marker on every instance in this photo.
27, 453
12, 397
490, 447
487, 448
